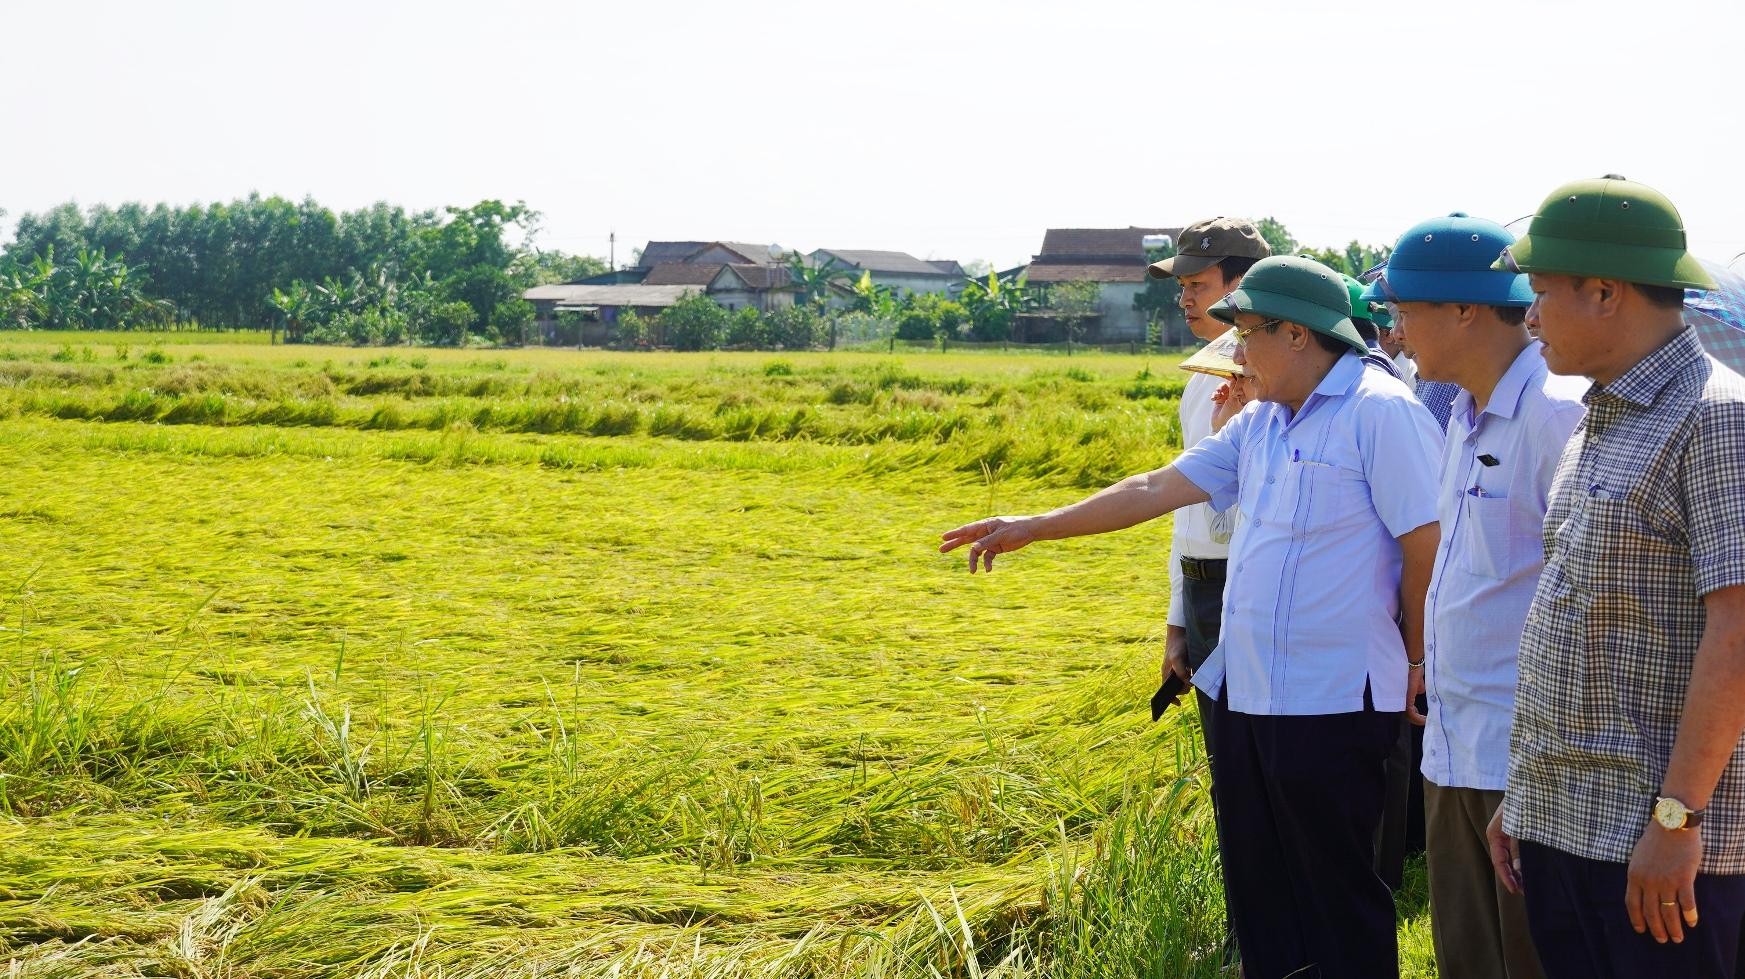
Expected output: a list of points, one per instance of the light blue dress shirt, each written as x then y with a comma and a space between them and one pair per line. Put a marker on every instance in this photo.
1313, 589
1487, 566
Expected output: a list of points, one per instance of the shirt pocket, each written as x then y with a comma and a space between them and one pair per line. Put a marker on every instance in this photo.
1490, 546
1337, 498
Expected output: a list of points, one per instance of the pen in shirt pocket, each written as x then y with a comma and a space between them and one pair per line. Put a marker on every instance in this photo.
1297, 456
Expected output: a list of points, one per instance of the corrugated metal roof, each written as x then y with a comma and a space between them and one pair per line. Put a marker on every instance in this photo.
569, 295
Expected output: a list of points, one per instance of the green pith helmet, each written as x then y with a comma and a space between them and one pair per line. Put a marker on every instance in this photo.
1363, 309
1609, 228
1297, 290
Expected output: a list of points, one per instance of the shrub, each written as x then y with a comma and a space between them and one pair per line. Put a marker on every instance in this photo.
749, 330
443, 324
798, 328
695, 322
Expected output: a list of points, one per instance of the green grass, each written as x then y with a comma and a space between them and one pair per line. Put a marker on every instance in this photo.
536, 663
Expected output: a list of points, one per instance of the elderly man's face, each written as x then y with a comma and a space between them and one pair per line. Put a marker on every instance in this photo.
1429, 333
1264, 353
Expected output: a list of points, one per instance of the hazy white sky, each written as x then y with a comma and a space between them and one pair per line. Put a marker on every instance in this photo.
947, 129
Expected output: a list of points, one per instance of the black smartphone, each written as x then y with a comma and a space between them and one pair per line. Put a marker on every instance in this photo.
1167, 694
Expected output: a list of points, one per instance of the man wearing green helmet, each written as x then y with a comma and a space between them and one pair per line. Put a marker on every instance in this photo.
1623, 818
1334, 469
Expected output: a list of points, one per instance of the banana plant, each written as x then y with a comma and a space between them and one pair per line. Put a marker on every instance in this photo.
815, 280
295, 304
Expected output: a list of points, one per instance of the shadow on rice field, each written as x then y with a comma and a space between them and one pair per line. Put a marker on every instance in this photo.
320, 662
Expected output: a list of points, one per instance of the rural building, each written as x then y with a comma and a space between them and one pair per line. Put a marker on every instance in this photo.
734, 274
900, 271
1113, 258
599, 306
657, 253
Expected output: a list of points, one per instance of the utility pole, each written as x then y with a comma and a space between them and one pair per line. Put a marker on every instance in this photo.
612, 245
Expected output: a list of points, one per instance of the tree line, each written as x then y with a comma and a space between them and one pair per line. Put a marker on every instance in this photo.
380, 274
386, 275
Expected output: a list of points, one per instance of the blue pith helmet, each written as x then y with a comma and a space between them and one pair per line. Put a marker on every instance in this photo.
1448, 260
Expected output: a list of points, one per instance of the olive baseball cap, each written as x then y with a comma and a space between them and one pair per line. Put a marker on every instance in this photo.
1298, 290
1449, 260
1205, 244
1363, 309
1608, 228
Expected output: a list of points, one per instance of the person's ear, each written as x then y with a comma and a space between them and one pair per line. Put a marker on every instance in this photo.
1607, 295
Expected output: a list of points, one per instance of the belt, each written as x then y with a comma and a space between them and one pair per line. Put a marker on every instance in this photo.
1204, 569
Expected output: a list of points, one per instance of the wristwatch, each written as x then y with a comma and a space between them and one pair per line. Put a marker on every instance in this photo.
1673, 814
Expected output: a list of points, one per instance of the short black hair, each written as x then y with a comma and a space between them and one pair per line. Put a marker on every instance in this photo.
1665, 297
1235, 266
1511, 315
1365, 329
1508, 315
1331, 344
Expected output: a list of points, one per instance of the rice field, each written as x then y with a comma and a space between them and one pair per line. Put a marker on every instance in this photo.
322, 662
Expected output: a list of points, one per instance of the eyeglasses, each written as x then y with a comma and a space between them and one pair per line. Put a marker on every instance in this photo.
1243, 333
1509, 263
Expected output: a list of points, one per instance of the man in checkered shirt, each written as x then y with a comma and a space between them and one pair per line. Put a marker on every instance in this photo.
1624, 814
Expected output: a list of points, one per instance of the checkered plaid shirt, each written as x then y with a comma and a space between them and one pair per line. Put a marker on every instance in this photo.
1647, 515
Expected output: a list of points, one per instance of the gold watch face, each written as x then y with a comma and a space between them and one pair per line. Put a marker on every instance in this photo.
1670, 813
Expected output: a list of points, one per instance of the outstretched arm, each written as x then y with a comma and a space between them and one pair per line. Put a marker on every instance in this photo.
1133, 500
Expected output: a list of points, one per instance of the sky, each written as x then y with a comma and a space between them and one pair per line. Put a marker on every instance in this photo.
946, 129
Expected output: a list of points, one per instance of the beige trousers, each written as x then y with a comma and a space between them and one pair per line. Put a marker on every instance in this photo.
1479, 928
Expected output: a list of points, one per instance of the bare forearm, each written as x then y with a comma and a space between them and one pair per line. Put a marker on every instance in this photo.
1418, 557
1714, 709
1133, 500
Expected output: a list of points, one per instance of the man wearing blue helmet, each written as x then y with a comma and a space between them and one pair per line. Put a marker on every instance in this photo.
1507, 428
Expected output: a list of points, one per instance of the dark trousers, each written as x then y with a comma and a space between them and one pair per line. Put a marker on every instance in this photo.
1402, 822
1575, 910
1204, 598
1301, 799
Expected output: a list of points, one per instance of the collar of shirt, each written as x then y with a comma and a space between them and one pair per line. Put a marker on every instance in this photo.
1527, 368
1338, 382
1642, 383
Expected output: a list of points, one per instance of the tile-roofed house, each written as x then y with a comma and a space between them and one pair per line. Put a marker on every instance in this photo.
898, 270
657, 253
668, 252
682, 274
763, 276
1111, 257
757, 254
766, 287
